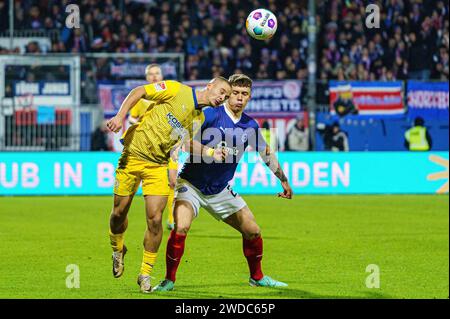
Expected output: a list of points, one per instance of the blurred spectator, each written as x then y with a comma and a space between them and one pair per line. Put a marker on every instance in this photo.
339, 139
333, 138
326, 133
298, 137
417, 138
99, 139
269, 136
32, 47
4, 15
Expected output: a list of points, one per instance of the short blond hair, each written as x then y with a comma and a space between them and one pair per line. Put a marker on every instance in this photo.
219, 78
153, 65
241, 80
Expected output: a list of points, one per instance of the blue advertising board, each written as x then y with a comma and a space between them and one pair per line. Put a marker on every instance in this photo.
428, 100
269, 98
80, 173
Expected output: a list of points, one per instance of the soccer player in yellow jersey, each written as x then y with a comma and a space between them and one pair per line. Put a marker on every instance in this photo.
153, 74
145, 156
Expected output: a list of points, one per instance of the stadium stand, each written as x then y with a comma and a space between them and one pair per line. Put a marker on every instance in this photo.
412, 43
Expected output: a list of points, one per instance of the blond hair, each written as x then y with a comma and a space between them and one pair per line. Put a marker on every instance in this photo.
241, 80
153, 65
219, 78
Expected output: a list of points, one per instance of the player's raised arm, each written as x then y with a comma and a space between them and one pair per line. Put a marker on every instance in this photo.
160, 91
271, 161
115, 124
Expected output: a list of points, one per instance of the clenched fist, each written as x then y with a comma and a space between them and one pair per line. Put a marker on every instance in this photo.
114, 124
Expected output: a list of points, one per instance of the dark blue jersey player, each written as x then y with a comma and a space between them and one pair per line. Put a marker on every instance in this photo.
226, 133
221, 131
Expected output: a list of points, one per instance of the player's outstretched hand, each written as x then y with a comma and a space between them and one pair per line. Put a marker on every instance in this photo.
114, 124
287, 193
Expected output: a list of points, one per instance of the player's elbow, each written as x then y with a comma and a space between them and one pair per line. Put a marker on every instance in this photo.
138, 92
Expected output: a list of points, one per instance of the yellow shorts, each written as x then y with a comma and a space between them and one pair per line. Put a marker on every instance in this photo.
131, 171
173, 165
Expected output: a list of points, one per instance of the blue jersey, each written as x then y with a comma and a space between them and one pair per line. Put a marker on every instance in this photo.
219, 130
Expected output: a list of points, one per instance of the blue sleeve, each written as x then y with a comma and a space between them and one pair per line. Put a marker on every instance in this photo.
210, 116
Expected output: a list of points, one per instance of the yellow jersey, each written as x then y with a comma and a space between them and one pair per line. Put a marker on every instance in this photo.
140, 108
174, 117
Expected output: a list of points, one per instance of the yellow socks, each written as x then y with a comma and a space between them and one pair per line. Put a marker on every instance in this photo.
116, 241
170, 206
148, 261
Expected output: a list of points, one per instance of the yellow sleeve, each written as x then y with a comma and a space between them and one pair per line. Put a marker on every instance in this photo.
140, 108
162, 91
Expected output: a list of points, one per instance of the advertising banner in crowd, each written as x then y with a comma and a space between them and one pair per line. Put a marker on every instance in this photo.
44, 92
428, 100
270, 98
111, 97
61, 173
366, 98
137, 70
275, 105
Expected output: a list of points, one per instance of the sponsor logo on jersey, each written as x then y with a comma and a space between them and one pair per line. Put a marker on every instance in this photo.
176, 125
173, 121
230, 150
160, 86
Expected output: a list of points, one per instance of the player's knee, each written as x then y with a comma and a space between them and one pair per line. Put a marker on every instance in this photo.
118, 213
154, 221
252, 232
182, 229
252, 235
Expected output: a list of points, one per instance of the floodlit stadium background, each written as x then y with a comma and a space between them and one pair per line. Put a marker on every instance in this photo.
65, 69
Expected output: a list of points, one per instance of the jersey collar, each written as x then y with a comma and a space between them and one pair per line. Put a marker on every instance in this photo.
231, 116
195, 99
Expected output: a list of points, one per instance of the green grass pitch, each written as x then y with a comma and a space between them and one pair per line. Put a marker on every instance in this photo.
319, 245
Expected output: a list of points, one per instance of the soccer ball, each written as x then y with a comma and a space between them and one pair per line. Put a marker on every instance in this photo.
261, 24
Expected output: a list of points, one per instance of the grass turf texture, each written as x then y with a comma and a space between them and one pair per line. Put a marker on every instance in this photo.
319, 245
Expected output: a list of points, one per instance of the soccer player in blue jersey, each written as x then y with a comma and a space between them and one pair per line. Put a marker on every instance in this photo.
204, 183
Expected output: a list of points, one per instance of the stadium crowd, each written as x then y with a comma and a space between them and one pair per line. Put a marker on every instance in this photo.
412, 41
